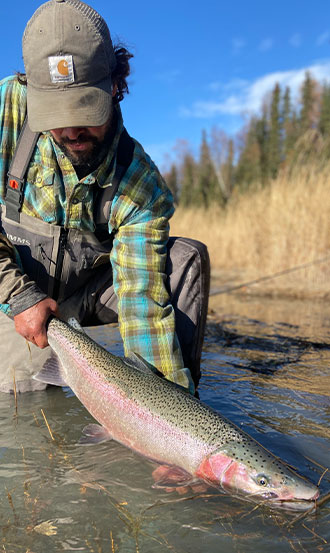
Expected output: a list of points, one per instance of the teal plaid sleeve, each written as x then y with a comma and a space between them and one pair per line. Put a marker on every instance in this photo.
12, 115
138, 257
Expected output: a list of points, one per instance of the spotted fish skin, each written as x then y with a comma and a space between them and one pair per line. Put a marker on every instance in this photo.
161, 421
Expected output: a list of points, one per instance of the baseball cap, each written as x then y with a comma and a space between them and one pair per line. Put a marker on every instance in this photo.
69, 58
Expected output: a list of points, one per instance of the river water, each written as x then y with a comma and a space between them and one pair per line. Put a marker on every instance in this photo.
265, 366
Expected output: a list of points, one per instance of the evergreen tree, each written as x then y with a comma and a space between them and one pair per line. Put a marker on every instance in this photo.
248, 168
275, 133
188, 181
307, 113
289, 122
208, 190
228, 172
324, 123
262, 135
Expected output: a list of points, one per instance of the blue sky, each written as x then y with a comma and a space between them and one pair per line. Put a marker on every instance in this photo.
199, 64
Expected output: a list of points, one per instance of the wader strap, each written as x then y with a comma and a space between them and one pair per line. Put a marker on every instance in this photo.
15, 185
106, 195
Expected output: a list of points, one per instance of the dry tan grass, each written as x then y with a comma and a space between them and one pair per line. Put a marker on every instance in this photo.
268, 231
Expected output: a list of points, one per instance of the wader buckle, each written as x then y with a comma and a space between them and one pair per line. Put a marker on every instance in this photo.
14, 197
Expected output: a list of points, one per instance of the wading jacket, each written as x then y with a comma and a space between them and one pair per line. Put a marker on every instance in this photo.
57, 203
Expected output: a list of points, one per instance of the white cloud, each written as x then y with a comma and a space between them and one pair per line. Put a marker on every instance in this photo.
266, 44
295, 40
323, 38
234, 84
249, 96
238, 44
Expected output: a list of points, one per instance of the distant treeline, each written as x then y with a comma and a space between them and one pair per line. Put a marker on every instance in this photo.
285, 135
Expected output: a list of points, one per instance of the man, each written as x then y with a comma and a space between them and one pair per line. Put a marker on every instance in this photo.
81, 193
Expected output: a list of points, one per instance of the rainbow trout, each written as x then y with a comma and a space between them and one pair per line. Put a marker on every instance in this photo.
163, 422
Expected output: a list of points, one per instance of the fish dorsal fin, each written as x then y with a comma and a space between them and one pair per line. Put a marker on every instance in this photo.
137, 362
72, 321
51, 372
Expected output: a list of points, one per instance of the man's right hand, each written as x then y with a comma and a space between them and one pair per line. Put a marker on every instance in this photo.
31, 323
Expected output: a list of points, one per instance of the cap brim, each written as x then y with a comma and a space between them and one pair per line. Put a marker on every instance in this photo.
79, 106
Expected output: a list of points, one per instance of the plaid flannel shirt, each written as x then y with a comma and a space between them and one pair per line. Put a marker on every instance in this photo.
139, 218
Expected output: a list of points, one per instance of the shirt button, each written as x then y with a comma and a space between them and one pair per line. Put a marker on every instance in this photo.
75, 201
39, 180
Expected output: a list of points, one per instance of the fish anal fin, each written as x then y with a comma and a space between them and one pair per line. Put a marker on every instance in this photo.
51, 372
171, 477
94, 434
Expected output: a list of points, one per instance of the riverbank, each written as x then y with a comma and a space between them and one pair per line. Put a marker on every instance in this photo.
281, 231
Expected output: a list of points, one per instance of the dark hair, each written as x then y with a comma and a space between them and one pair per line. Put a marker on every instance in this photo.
21, 77
121, 72
119, 75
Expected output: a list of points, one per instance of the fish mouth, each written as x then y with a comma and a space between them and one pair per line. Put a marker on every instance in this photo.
272, 500
291, 504
269, 495
275, 496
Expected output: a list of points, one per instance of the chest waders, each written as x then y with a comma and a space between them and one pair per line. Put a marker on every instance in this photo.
58, 259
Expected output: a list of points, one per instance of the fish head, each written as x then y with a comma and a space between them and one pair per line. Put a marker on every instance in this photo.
245, 467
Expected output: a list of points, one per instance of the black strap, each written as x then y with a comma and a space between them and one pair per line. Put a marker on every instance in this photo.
124, 158
16, 175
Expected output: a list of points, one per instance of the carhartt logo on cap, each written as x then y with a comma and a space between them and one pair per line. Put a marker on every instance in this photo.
61, 69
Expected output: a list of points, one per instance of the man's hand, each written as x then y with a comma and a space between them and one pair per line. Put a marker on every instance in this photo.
31, 323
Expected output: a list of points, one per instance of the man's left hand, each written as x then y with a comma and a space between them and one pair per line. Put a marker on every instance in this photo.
31, 323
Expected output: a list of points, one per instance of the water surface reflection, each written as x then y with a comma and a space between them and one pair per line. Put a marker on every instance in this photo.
265, 366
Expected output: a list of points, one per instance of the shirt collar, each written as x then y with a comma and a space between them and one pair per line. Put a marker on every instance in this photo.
104, 173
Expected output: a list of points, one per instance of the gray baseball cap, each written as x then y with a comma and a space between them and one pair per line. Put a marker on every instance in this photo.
69, 58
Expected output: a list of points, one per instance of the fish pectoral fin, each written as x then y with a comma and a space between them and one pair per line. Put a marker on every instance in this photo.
94, 434
51, 372
171, 477
141, 364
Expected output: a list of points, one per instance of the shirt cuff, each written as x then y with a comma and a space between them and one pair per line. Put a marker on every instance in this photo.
29, 297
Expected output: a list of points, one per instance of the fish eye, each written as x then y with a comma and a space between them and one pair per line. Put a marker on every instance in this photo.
262, 480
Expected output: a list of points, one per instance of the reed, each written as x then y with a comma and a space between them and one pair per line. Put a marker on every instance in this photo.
267, 231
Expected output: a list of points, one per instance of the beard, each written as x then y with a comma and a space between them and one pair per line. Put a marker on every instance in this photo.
87, 158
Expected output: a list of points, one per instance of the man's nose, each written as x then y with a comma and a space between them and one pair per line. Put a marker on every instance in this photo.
72, 133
